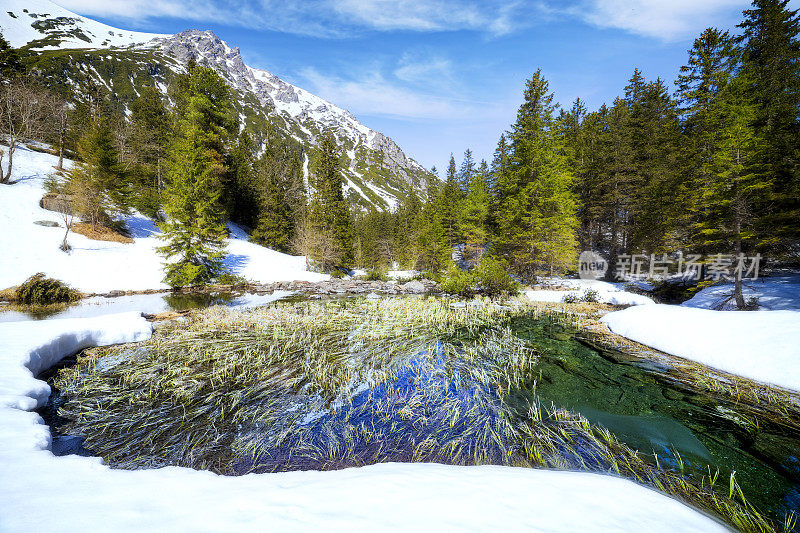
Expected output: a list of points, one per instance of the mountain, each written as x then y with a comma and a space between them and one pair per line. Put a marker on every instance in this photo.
75, 53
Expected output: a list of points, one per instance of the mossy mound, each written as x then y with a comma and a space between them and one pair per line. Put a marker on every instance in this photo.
41, 290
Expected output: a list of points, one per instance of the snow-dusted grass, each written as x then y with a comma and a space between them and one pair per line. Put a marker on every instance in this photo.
38, 490
98, 266
773, 293
760, 346
609, 293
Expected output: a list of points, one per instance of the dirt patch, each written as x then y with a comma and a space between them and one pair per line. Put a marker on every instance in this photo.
100, 233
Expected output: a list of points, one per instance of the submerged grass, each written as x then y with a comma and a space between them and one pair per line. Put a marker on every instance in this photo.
326, 385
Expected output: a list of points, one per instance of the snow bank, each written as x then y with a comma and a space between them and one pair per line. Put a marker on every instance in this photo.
39, 491
761, 346
609, 293
98, 266
773, 293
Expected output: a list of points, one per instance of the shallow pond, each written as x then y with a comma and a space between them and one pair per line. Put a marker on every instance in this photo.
637, 401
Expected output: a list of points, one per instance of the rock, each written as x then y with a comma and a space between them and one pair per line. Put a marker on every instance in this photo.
47, 223
458, 305
115, 293
60, 203
373, 296
413, 287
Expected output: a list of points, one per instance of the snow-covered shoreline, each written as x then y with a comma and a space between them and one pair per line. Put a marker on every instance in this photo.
39, 490
761, 346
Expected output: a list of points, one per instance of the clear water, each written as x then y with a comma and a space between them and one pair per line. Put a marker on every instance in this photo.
640, 403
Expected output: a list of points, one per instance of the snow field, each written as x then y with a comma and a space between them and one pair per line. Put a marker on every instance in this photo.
99, 266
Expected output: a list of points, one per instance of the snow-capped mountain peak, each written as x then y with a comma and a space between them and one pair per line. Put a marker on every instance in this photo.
377, 172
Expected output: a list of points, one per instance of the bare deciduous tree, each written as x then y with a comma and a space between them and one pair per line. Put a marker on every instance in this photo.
58, 110
320, 247
23, 114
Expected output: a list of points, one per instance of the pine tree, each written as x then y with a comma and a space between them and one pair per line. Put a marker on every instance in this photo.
278, 194
537, 220
150, 136
738, 181
711, 66
771, 56
475, 212
432, 250
466, 171
99, 184
449, 203
10, 64
275, 223
329, 212
195, 228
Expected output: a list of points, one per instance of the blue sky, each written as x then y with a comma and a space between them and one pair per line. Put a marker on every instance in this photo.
441, 76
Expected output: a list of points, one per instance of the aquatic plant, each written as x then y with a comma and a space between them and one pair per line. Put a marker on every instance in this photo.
326, 385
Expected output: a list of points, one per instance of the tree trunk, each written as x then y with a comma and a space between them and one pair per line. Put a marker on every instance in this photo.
7, 176
60, 165
737, 284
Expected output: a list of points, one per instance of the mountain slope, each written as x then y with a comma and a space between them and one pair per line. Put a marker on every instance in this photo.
75, 52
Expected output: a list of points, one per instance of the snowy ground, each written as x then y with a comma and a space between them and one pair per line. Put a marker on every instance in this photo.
774, 293
761, 346
610, 293
39, 491
98, 266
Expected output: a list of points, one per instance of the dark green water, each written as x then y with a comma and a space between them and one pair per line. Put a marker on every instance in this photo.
638, 402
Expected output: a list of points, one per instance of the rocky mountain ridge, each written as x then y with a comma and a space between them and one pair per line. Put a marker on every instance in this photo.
70, 46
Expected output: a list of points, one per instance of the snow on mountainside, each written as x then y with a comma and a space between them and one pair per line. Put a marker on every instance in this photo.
24, 21
377, 171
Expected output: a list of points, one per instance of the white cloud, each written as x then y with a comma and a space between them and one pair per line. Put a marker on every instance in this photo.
323, 18
425, 69
667, 20
372, 94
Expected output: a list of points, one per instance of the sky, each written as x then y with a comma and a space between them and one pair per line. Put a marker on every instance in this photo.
440, 76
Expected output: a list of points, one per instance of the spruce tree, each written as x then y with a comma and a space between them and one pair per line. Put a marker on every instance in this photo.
449, 203
475, 212
195, 227
329, 212
10, 64
150, 137
98, 184
432, 250
771, 54
466, 171
275, 217
537, 220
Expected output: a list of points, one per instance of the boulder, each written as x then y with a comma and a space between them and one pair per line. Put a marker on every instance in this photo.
413, 287
47, 223
60, 203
